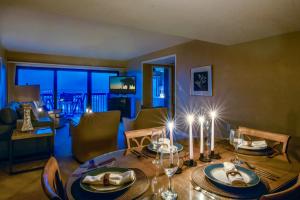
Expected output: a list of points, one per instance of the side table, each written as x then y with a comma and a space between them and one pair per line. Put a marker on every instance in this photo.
38, 133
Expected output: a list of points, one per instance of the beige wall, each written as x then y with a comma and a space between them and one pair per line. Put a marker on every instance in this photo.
256, 83
64, 60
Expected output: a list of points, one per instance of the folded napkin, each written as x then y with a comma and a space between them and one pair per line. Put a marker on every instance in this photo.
110, 178
233, 175
257, 143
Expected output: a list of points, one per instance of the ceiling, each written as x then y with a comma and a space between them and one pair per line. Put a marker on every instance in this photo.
123, 29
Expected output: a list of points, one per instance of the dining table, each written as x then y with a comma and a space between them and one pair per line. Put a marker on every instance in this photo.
285, 166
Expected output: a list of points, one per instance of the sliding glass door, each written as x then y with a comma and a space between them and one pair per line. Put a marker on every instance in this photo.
67, 89
100, 90
72, 91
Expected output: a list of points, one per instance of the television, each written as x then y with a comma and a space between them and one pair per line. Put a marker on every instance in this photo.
122, 84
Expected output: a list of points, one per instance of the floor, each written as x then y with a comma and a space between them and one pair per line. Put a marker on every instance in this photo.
27, 185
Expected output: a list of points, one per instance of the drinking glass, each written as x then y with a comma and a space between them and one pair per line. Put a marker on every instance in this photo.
169, 162
236, 139
155, 140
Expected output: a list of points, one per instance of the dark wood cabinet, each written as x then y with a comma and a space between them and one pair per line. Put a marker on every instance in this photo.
121, 103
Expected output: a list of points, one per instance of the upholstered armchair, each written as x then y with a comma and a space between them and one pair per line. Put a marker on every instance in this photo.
146, 118
95, 134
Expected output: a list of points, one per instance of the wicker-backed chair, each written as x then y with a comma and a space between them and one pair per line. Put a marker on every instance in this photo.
138, 138
279, 138
52, 182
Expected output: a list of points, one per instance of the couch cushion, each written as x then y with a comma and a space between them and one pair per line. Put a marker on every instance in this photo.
8, 116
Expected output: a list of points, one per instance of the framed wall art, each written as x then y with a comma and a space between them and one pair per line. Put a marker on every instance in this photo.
201, 81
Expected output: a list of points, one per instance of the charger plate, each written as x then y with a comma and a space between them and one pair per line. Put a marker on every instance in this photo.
216, 174
102, 188
139, 187
198, 177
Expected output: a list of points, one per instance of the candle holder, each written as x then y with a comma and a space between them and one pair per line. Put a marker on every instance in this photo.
190, 163
215, 156
203, 158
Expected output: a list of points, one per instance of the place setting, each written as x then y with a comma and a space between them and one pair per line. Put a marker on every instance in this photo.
109, 182
160, 143
253, 146
229, 179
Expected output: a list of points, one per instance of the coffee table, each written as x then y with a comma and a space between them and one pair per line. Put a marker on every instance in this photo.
37, 133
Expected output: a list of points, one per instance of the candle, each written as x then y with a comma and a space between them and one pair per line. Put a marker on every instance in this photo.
171, 127
213, 116
190, 119
201, 120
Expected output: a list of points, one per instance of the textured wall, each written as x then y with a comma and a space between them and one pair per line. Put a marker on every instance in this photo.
256, 84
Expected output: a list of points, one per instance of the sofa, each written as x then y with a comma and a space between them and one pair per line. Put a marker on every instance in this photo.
95, 134
8, 122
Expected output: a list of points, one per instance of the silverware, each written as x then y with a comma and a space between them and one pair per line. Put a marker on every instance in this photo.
198, 188
137, 154
140, 153
262, 172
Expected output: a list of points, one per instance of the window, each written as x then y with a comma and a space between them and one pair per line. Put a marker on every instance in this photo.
72, 91
68, 89
100, 89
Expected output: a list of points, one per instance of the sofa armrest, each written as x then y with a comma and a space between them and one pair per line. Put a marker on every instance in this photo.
128, 124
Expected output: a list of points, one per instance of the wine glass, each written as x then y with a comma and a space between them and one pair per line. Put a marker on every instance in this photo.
155, 140
156, 143
169, 162
236, 139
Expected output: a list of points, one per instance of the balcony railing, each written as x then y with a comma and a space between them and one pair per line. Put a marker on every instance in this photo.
75, 103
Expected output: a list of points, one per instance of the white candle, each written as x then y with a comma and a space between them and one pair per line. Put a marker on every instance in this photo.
213, 116
190, 119
201, 120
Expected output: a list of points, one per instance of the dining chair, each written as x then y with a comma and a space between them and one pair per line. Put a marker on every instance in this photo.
276, 137
290, 193
52, 182
139, 137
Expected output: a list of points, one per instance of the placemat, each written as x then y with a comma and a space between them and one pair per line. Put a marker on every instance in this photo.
199, 178
140, 186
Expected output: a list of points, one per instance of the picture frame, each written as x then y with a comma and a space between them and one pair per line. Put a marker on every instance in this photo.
201, 81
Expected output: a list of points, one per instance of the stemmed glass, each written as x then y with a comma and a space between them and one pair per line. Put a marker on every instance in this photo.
169, 162
155, 140
236, 139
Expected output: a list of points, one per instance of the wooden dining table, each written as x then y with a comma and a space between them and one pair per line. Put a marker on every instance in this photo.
285, 166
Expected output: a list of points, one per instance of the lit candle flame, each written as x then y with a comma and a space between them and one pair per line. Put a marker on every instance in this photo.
201, 119
213, 114
171, 125
190, 118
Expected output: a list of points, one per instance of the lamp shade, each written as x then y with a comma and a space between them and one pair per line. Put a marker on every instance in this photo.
26, 93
